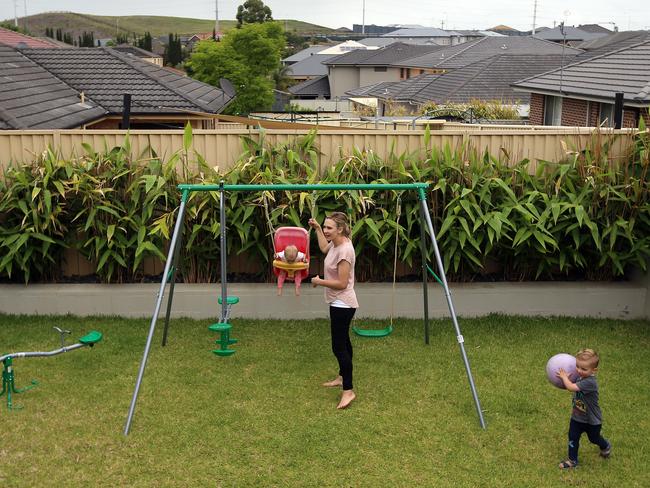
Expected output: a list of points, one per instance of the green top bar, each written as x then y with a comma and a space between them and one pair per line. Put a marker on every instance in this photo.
308, 187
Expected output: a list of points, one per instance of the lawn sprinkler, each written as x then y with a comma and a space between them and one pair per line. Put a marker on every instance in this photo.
8, 386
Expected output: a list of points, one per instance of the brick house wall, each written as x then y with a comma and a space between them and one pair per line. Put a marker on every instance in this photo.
536, 113
630, 119
574, 112
594, 114
645, 113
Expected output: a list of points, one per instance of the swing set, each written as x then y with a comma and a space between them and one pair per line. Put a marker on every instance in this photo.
227, 302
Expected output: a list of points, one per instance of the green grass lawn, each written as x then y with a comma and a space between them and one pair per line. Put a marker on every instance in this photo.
261, 418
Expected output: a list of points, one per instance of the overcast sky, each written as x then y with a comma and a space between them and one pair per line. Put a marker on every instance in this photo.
455, 14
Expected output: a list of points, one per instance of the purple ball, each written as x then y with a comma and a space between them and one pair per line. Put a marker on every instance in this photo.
564, 361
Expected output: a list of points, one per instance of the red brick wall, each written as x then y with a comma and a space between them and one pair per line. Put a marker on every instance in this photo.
594, 113
536, 115
645, 113
630, 118
574, 112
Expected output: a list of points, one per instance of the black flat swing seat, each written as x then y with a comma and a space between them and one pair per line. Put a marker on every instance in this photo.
373, 332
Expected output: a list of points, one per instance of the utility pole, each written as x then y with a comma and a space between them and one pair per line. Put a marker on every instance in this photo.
363, 18
16, 13
534, 16
216, 19
25, 18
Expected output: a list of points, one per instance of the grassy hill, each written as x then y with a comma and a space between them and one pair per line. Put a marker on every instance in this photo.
109, 26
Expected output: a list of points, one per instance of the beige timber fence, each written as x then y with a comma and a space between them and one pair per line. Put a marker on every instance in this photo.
223, 147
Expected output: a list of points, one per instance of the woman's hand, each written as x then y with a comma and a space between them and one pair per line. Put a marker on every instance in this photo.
313, 223
315, 281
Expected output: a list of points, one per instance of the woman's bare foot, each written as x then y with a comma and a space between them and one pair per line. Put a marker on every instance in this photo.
338, 381
347, 397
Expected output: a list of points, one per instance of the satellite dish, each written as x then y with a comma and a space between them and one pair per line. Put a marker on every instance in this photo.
227, 87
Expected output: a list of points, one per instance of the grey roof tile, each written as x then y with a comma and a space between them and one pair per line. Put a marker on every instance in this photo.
386, 56
626, 70
106, 75
460, 55
319, 87
31, 97
488, 79
311, 66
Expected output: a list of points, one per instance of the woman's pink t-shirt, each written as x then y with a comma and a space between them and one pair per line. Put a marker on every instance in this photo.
336, 254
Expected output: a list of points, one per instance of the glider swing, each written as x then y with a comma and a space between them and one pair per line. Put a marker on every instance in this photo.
387, 330
227, 302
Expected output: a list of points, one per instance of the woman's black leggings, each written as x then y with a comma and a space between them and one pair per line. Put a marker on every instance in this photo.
340, 319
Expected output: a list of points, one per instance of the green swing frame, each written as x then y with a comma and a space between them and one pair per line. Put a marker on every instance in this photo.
173, 256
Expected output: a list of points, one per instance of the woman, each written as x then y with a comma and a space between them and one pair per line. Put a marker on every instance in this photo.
334, 240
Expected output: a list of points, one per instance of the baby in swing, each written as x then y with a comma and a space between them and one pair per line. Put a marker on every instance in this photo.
290, 255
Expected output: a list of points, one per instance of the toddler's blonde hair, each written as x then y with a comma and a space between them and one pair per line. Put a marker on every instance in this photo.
290, 253
588, 355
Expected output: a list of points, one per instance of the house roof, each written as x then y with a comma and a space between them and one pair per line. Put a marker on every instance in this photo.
311, 66
16, 39
377, 41
318, 87
105, 75
460, 55
488, 79
600, 78
612, 42
385, 56
31, 97
570, 34
135, 51
398, 91
594, 28
420, 32
304, 54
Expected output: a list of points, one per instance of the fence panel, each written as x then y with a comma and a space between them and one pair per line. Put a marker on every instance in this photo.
224, 147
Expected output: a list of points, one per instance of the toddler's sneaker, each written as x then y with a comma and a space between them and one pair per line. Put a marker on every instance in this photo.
607, 451
568, 464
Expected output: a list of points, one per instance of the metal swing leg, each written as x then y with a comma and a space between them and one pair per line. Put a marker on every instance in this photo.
159, 298
459, 336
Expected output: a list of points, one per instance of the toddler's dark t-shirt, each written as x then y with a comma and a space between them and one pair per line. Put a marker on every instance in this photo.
585, 402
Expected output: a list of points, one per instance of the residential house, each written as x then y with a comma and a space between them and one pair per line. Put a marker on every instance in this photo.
486, 80
308, 63
454, 57
313, 89
365, 67
16, 39
584, 93
33, 98
142, 54
568, 34
432, 35
611, 42
85, 88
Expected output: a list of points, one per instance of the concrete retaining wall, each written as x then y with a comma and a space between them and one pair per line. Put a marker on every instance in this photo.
629, 300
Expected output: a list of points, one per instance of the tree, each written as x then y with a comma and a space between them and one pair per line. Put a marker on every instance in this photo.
87, 39
174, 50
145, 42
248, 57
253, 12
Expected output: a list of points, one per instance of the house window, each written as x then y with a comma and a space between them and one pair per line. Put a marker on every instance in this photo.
552, 110
380, 69
606, 117
402, 73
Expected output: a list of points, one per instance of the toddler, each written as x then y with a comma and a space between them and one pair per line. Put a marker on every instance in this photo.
290, 255
586, 415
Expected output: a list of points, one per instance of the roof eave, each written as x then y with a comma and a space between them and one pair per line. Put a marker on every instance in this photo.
579, 96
